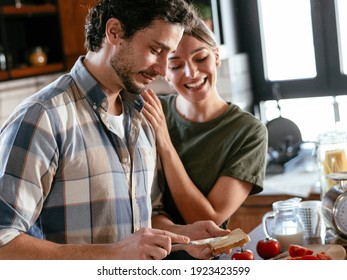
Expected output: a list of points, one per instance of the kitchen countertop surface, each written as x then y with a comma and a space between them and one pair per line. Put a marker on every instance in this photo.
317, 244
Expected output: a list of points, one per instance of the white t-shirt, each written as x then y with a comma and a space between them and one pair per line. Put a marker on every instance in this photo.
117, 125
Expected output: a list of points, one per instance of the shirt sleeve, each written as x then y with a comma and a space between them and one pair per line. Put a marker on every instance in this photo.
249, 163
28, 150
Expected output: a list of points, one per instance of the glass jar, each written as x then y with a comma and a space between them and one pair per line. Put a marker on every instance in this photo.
287, 226
331, 157
2, 59
38, 57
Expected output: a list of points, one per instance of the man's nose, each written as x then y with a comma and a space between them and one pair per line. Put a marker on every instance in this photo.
161, 67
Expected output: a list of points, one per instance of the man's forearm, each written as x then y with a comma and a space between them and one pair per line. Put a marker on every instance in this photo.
25, 247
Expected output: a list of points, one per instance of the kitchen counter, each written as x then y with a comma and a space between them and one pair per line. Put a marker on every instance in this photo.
300, 180
258, 234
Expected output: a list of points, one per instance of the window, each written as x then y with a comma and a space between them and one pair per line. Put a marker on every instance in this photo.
341, 23
312, 115
297, 48
210, 12
298, 55
287, 49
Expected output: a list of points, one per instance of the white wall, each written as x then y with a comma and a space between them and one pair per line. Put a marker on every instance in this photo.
14, 91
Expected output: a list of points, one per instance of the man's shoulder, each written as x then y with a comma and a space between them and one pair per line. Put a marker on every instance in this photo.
55, 87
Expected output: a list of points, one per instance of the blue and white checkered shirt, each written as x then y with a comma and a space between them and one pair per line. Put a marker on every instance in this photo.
65, 177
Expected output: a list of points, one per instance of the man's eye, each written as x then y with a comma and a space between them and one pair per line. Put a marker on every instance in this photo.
155, 51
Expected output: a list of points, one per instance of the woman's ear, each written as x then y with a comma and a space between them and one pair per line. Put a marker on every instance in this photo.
113, 30
218, 61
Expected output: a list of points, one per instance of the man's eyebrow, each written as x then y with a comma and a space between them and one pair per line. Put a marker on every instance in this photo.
161, 45
194, 51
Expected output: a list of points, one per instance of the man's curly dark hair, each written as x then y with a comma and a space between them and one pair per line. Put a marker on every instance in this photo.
135, 15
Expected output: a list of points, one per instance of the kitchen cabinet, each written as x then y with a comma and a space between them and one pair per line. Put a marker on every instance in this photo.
26, 29
72, 15
55, 26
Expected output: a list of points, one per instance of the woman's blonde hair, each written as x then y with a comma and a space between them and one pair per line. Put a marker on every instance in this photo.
203, 33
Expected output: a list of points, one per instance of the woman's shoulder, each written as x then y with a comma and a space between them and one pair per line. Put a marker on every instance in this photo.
167, 100
245, 118
164, 97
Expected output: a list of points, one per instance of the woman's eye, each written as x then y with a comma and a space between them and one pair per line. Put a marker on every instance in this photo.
174, 67
202, 59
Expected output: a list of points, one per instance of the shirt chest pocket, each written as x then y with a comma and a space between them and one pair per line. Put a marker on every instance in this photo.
145, 167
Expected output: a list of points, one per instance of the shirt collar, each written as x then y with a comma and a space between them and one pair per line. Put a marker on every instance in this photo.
94, 93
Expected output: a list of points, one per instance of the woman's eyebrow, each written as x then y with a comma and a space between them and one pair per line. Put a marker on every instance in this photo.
194, 51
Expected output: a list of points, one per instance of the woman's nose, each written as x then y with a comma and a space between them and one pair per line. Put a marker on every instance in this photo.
191, 71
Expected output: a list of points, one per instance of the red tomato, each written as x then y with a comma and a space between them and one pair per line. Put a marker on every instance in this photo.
243, 255
319, 256
268, 248
323, 256
306, 257
298, 251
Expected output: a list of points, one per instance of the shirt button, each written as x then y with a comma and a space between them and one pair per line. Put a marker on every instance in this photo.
124, 160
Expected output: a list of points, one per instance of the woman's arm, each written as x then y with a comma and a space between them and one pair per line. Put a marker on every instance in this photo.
226, 195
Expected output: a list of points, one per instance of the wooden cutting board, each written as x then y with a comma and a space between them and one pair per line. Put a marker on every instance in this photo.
335, 251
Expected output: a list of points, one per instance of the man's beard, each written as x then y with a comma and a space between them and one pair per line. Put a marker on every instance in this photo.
123, 71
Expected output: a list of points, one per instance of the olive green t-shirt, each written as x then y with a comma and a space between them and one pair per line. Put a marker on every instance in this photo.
233, 144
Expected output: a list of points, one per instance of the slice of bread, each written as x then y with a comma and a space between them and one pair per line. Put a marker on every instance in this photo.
236, 238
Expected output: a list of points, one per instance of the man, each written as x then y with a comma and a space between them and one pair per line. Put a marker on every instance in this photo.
78, 160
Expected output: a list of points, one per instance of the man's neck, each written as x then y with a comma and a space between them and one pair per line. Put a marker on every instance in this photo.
102, 72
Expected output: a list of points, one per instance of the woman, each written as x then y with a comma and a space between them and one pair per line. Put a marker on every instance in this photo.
213, 153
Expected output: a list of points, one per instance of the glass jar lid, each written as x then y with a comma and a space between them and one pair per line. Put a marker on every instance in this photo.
332, 137
287, 204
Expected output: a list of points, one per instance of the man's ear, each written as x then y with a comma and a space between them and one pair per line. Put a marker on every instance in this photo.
113, 30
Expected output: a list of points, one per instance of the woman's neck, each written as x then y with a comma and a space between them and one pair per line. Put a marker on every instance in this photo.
201, 111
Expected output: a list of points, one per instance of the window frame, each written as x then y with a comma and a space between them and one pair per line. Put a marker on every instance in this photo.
329, 80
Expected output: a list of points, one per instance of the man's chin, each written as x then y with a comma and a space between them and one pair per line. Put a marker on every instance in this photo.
134, 89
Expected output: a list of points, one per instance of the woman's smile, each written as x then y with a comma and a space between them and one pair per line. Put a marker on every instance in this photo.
197, 84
